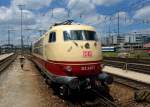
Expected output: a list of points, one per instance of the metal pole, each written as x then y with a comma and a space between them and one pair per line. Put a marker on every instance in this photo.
52, 14
142, 41
118, 24
8, 37
68, 13
21, 33
21, 8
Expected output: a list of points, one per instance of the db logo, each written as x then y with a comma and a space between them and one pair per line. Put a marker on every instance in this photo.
87, 53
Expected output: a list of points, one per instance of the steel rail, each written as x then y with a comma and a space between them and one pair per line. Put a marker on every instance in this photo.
103, 100
135, 85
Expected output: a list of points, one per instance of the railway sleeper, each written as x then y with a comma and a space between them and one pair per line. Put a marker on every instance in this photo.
142, 95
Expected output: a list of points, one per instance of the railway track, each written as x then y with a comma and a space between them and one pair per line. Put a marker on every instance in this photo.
87, 98
91, 98
99, 101
131, 83
103, 100
5, 62
141, 91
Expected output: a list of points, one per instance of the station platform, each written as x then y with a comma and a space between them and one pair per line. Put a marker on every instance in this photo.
3, 56
141, 77
25, 87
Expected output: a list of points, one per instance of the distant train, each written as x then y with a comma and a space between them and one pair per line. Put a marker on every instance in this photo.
147, 48
68, 55
108, 49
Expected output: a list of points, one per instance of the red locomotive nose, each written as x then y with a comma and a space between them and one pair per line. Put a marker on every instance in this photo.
82, 69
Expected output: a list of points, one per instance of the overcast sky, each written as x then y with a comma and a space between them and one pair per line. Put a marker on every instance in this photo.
40, 14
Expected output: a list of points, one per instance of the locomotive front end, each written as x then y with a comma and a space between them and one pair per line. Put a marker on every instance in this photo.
80, 51
74, 59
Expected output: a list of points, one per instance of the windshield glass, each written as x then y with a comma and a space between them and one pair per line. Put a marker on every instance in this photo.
79, 35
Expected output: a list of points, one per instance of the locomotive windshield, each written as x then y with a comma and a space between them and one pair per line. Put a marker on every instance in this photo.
79, 35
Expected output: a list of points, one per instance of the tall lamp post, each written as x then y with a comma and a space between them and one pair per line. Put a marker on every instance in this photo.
21, 6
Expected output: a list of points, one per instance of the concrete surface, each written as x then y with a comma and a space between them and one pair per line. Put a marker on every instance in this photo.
145, 78
3, 56
26, 88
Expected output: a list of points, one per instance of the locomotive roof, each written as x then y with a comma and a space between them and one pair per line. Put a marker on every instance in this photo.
73, 27
70, 27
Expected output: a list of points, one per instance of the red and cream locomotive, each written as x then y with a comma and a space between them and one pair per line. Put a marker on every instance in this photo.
69, 55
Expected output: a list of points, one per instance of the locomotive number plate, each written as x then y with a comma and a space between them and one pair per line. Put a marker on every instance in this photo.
87, 53
84, 68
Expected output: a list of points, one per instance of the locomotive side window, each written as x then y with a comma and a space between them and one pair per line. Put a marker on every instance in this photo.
52, 37
38, 47
80, 35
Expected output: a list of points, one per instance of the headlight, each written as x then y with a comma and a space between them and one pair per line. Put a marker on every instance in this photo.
68, 68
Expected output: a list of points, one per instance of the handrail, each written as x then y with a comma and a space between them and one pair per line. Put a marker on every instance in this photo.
129, 63
126, 66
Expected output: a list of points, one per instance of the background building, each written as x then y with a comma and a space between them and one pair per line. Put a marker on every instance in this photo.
135, 39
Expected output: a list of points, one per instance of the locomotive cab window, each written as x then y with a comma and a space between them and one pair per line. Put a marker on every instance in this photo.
80, 35
52, 37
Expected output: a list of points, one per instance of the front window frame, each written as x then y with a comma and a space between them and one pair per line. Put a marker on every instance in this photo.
83, 36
